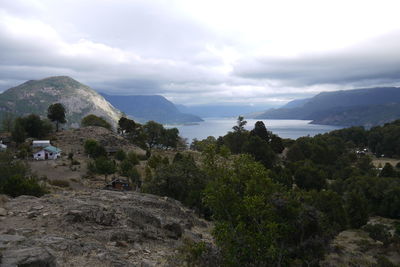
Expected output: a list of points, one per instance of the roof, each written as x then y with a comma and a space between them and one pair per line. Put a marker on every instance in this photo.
40, 141
52, 149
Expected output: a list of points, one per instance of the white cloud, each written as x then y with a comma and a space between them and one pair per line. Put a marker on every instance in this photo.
203, 51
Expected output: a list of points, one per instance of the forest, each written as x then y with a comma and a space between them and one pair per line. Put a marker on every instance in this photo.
273, 201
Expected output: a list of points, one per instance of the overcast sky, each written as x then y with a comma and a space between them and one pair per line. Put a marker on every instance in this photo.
208, 51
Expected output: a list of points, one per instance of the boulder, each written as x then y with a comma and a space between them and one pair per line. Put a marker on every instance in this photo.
34, 257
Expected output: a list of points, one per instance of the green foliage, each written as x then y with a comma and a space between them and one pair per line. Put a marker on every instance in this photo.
120, 155
193, 253
134, 177
30, 126
18, 133
357, 209
388, 171
240, 125
7, 122
56, 113
126, 167
378, 232
200, 145
93, 120
126, 126
157, 136
15, 178
260, 150
308, 176
181, 180
94, 149
332, 206
102, 165
257, 222
155, 161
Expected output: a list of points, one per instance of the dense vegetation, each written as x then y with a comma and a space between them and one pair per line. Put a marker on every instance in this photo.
274, 202
93, 120
16, 179
277, 207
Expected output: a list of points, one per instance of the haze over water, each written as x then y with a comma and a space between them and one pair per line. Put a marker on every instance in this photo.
284, 128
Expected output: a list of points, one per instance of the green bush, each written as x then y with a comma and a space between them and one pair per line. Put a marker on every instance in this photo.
17, 186
378, 232
120, 155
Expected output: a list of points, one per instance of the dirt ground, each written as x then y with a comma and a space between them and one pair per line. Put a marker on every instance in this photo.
382, 161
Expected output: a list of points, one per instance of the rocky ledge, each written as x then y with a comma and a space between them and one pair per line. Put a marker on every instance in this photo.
96, 228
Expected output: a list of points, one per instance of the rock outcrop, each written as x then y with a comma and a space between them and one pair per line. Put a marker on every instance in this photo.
96, 228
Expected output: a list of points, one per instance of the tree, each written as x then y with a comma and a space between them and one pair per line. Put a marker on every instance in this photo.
154, 132
388, 171
7, 122
309, 177
56, 113
258, 223
93, 149
260, 149
357, 209
93, 120
104, 166
36, 127
240, 125
126, 125
261, 131
170, 138
18, 133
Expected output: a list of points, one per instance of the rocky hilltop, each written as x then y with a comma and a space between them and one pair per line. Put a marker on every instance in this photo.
79, 100
96, 228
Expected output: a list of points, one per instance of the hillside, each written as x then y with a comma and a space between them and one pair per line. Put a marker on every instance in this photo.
35, 96
96, 228
365, 107
212, 111
150, 107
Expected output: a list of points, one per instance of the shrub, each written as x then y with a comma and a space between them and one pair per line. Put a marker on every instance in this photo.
17, 186
378, 232
120, 155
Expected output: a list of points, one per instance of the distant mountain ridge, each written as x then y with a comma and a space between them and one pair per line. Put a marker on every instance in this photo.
364, 107
35, 96
210, 110
150, 107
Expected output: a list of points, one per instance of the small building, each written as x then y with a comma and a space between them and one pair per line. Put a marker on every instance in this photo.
3, 147
119, 185
41, 143
49, 152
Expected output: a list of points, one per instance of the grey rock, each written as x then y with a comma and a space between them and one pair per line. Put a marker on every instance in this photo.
174, 230
29, 257
3, 212
5, 238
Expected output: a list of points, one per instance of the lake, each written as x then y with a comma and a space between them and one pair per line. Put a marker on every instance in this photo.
220, 126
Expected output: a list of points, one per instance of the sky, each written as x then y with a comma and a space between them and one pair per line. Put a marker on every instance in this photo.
194, 52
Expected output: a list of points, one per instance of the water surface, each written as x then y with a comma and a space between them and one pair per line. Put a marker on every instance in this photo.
220, 126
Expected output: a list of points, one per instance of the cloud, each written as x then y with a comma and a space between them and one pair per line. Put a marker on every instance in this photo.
374, 62
197, 52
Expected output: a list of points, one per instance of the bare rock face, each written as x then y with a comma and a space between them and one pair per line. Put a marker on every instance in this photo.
96, 228
35, 256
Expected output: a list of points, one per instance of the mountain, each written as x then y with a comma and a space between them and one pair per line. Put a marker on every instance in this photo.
366, 107
35, 96
205, 111
296, 103
150, 107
